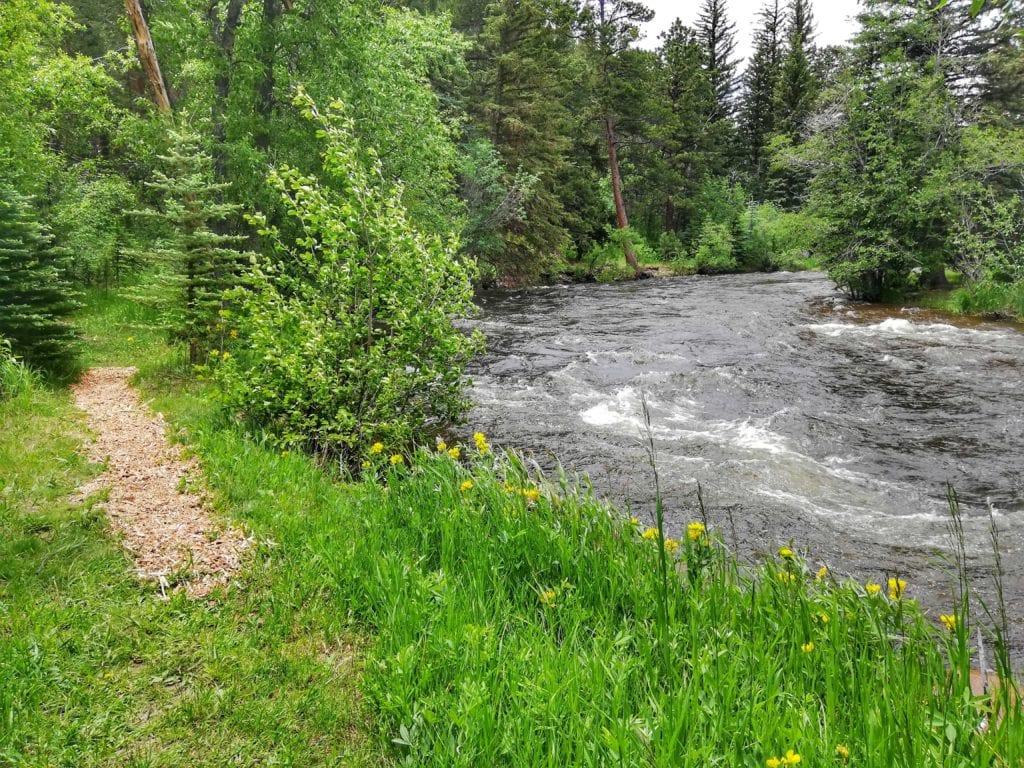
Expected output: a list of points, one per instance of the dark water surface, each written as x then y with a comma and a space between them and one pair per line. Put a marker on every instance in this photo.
804, 417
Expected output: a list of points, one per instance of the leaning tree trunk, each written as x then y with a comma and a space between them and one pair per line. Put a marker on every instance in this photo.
620, 205
147, 55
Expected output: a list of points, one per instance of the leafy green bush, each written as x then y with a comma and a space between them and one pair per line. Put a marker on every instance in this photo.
714, 253
349, 333
771, 238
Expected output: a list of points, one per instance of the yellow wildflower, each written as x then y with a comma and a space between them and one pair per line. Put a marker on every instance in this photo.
823, 617
367, 465
807, 647
442, 446
785, 553
547, 597
791, 758
225, 355
377, 448
395, 459
454, 452
872, 589
843, 751
481, 443
650, 534
466, 485
671, 545
285, 453
695, 531
531, 494
773, 762
215, 353
786, 577
633, 522
510, 488
233, 333
896, 587
948, 621
822, 573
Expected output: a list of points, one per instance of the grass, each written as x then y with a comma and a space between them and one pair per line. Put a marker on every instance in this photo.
445, 612
1005, 300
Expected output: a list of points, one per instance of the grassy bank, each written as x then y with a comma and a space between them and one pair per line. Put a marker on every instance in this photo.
447, 611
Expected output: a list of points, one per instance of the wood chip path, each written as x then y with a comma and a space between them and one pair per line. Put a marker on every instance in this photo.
165, 527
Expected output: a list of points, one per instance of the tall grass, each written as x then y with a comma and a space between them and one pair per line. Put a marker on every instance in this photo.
986, 298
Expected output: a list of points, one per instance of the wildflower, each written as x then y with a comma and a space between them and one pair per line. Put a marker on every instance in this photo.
896, 587
481, 443
377, 448
547, 597
285, 453
650, 534
215, 353
843, 751
785, 553
823, 618
786, 577
233, 333
671, 545
791, 758
949, 622
442, 446
807, 647
510, 488
773, 762
454, 452
872, 589
531, 494
367, 465
821, 573
225, 355
466, 485
633, 522
694, 531
395, 459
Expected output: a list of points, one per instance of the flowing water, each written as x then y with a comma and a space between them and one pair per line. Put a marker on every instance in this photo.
804, 417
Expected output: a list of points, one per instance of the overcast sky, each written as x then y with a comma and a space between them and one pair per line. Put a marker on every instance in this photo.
833, 20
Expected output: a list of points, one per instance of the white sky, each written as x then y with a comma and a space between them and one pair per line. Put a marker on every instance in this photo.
833, 20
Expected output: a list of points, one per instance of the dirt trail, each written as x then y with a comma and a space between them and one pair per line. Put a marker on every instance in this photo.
164, 526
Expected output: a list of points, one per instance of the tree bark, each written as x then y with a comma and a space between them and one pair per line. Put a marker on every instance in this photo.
265, 90
147, 55
223, 34
620, 205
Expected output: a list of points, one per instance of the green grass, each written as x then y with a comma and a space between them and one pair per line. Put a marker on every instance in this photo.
434, 614
991, 299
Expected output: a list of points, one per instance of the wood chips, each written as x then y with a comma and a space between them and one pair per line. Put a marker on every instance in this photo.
164, 526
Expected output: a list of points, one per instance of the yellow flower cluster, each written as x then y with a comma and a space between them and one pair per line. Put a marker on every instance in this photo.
948, 621
872, 589
377, 448
442, 446
807, 647
843, 752
395, 459
790, 758
671, 545
821, 574
481, 443
466, 485
695, 531
786, 553
531, 494
633, 522
651, 534
454, 452
896, 587
786, 577
547, 598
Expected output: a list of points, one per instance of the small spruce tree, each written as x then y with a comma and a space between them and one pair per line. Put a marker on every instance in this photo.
195, 263
35, 295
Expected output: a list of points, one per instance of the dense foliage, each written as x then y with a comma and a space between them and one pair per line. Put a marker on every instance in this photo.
348, 334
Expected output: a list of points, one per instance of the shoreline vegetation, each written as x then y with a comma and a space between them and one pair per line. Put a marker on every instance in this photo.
449, 606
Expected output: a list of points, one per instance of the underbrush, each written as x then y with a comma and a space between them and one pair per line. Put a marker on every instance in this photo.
987, 298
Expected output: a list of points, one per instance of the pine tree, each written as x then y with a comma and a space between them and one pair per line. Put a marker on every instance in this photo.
759, 109
195, 263
518, 72
798, 88
35, 295
717, 36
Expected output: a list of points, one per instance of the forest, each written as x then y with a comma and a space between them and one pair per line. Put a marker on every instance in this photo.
253, 253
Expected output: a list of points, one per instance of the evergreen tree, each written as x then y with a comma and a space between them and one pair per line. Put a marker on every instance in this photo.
35, 296
759, 109
717, 36
195, 263
798, 88
517, 69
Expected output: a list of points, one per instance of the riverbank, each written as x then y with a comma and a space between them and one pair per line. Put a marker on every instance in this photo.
444, 610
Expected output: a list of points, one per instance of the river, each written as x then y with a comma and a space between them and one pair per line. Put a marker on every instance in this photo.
806, 418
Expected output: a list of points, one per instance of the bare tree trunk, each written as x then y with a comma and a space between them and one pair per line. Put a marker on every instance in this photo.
620, 205
223, 34
147, 55
265, 90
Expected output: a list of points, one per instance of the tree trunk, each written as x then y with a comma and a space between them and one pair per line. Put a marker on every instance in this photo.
265, 91
223, 34
620, 205
147, 55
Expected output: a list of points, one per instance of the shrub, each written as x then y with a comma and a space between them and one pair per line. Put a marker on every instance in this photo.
771, 238
349, 332
15, 376
714, 249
